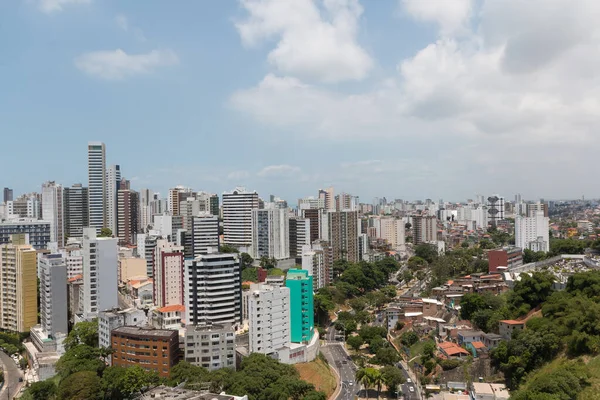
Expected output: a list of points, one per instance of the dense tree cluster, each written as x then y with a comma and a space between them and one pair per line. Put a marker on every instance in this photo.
365, 281
260, 377
566, 382
389, 376
569, 322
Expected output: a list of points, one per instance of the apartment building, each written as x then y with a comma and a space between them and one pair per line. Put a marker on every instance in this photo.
168, 274
210, 346
100, 260
38, 232
237, 217
269, 318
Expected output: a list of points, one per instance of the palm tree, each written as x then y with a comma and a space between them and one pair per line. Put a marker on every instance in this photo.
364, 377
377, 380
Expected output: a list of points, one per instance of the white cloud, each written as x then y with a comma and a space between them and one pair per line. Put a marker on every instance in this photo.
238, 175
316, 43
122, 22
117, 64
451, 15
51, 6
278, 171
506, 99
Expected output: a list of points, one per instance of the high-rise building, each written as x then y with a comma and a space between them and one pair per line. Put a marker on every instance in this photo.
175, 198
237, 217
532, 232
269, 318
100, 277
301, 305
213, 290
53, 211
424, 229
345, 201
533, 208
76, 210
168, 274
495, 209
317, 260
18, 297
328, 198
25, 206
38, 231
128, 211
8, 195
314, 216
113, 183
343, 235
113, 319
128, 340
146, 243
391, 230
299, 236
204, 234
311, 203
54, 315
210, 346
270, 233
97, 185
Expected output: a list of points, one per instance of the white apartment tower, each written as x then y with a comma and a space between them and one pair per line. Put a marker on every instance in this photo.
113, 180
270, 233
213, 290
168, 274
100, 280
532, 232
391, 230
53, 211
97, 185
237, 217
269, 317
53, 294
205, 234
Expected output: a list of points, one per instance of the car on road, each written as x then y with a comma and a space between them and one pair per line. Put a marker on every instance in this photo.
408, 380
411, 389
20, 379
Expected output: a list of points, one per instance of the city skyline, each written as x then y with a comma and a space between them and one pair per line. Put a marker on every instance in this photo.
429, 102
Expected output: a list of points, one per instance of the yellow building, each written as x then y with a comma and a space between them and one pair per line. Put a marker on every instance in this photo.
131, 267
18, 279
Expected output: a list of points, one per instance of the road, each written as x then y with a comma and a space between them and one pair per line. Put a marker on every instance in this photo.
338, 358
408, 395
11, 375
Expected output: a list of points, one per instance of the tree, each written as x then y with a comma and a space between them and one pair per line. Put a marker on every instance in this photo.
105, 232
393, 378
121, 383
80, 358
530, 291
84, 385
415, 263
246, 260
367, 378
407, 276
376, 344
409, 338
250, 274
407, 226
226, 248
85, 332
387, 356
427, 252
355, 342
44, 390
470, 304
486, 244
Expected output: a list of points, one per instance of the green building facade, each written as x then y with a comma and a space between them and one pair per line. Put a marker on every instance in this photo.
301, 305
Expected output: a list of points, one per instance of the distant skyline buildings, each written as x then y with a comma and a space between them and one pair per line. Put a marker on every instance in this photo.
97, 188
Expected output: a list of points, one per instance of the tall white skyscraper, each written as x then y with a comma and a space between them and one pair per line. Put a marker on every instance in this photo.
237, 217
213, 290
100, 280
53, 294
205, 234
97, 185
53, 211
532, 232
270, 233
113, 180
269, 317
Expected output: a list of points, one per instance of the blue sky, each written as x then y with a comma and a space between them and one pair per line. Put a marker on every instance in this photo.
397, 98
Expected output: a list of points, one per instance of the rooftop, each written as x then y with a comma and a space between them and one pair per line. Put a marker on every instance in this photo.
172, 308
168, 393
145, 331
512, 322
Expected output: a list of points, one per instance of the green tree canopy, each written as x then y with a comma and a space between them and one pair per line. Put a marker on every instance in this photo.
85, 332
83, 385
105, 232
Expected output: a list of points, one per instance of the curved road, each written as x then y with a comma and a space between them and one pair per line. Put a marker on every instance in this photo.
12, 373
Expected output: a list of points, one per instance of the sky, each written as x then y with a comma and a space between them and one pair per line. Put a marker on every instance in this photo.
406, 99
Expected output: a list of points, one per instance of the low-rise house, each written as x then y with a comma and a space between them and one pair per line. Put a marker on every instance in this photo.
169, 317
489, 391
476, 348
465, 337
452, 350
491, 340
507, 327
